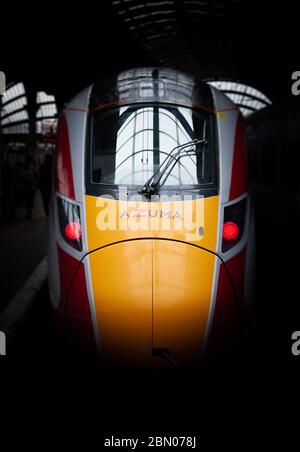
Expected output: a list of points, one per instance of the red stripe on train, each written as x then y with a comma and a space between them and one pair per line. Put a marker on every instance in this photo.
230, 300
74, 305
80, 326
239, 174
64, 176
67, 268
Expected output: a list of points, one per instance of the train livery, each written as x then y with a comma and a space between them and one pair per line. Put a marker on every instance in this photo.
151, 224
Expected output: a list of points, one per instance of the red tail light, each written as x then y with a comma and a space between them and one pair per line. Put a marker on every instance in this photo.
73, 231
234, 222
230, 231
69, 222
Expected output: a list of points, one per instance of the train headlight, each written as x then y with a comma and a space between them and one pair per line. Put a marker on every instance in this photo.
233, 224
69, 222
73, 231
230, 230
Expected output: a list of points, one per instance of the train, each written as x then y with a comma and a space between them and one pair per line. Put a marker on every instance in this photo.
151, 229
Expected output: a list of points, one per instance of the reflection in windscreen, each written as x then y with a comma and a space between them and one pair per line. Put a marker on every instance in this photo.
129, 144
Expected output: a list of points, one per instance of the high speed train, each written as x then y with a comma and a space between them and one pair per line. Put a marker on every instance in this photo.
151, 225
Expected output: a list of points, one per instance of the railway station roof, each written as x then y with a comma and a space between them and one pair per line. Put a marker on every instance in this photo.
220, 40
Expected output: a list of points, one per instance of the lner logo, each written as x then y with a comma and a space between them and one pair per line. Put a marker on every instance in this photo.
2, 343
2, 82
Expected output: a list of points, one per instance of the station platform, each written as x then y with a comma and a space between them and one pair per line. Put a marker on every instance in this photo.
23, 244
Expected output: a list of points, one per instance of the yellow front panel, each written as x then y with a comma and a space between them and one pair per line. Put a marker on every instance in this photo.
193, 221
182, 285
122, 286
151, 292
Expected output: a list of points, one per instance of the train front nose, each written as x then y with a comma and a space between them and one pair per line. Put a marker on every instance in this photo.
122, 287
152, 300
182, 285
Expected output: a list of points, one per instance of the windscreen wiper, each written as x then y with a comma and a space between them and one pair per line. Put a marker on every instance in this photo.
150, 186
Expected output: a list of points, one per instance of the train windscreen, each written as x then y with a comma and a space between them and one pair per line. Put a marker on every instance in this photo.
130, 143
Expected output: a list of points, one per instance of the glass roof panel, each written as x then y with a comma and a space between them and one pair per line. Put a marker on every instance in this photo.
47, 110
14, 105
42, 97
248, 99
18, 128
13, 91
20, 116
14, 109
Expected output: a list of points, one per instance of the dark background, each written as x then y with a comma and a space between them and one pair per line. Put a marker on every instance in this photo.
62, 50
253, 386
